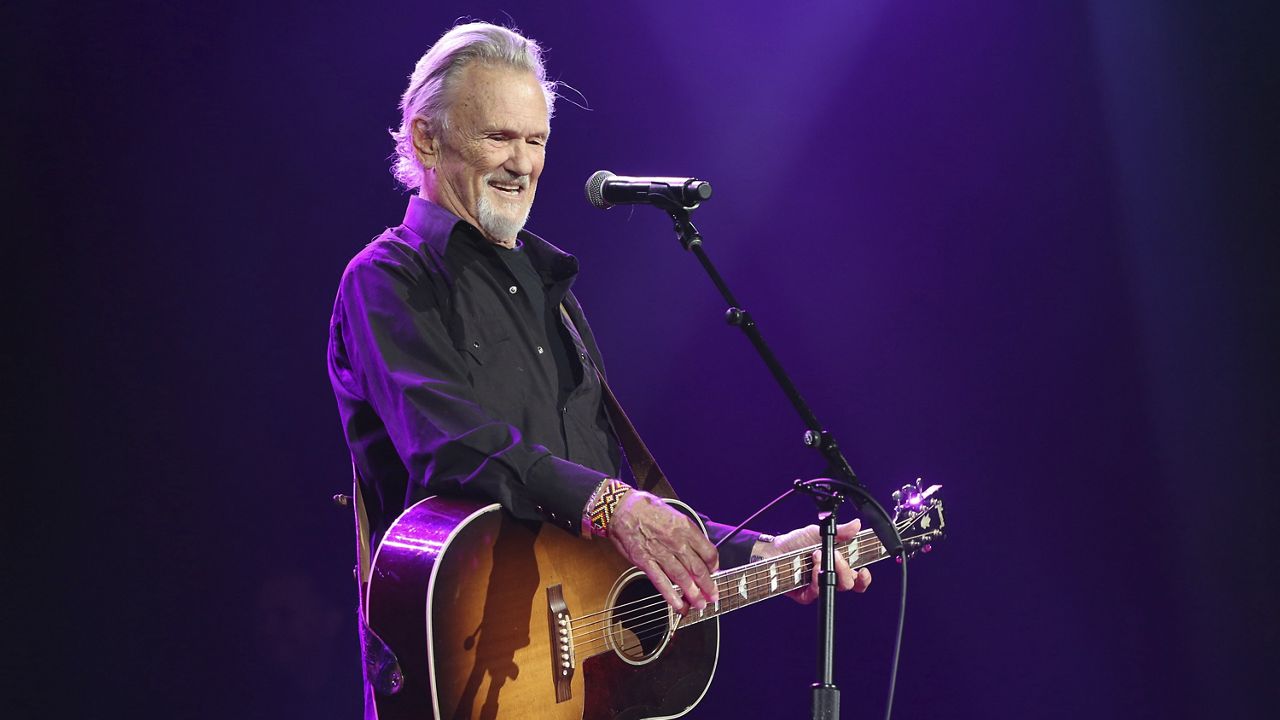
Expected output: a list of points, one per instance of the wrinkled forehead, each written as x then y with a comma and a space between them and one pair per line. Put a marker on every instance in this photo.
494, 96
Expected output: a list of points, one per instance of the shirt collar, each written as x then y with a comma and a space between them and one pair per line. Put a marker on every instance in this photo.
437, 226
430, 222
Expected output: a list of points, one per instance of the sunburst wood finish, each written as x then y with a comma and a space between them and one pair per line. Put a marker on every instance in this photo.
458, 592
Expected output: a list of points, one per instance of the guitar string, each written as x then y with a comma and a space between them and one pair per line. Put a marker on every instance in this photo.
864, 540
756, 576
646, 630
641, 635
730, 590
731, 587
653, 628
636, 622
641, 624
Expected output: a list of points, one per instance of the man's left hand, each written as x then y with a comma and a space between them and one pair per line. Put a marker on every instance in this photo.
846, 578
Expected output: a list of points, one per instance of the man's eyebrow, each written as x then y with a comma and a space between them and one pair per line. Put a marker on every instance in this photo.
505, 130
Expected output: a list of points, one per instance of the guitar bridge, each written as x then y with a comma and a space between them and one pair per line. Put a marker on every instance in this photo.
560, 625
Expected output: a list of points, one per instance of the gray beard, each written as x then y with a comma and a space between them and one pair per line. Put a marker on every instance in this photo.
498, 225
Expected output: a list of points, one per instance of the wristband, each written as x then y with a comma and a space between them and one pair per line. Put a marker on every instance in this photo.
602, 504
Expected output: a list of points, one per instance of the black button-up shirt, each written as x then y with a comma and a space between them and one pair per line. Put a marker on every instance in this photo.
446, 379
447, 382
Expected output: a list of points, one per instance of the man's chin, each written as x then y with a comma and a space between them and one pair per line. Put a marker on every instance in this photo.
502, 218
502, 228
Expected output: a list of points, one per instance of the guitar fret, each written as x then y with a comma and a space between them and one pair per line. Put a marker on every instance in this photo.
764, 579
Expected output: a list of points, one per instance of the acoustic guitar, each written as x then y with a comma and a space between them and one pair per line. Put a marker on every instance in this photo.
491, 617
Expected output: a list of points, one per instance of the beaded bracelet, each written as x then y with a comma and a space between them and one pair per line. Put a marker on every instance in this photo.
602, 504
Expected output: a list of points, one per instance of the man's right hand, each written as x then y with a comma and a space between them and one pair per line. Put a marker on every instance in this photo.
668, 547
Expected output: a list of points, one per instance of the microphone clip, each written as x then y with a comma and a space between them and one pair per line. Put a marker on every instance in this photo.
687, 233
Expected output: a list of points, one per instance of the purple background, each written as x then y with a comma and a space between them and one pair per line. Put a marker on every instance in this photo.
1026, 250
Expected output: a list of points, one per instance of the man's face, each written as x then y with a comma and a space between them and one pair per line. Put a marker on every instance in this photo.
487, 162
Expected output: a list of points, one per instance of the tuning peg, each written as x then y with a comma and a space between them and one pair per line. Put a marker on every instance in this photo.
926, 548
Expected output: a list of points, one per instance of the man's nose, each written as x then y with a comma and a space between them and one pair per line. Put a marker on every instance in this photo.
520, 161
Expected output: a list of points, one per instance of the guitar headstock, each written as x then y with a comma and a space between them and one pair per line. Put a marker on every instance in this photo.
917, 513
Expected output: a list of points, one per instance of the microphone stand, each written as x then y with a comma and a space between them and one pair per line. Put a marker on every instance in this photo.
828, 493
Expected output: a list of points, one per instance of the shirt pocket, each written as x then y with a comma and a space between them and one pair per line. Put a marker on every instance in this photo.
481, 351
496, 374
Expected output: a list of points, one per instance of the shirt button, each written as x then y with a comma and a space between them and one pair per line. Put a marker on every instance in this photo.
540, 350
513, 289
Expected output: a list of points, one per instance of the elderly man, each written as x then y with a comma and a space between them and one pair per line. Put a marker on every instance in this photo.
461, 361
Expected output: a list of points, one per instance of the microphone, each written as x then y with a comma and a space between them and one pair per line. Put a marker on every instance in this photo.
604, 190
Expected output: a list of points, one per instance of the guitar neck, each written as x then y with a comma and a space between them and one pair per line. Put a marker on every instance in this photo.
763, 579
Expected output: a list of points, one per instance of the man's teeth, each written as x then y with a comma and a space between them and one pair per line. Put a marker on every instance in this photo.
506, 188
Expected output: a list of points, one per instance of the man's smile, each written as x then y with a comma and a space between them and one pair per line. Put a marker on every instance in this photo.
510, 188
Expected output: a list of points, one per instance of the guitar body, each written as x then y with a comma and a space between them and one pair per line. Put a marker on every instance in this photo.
459, 592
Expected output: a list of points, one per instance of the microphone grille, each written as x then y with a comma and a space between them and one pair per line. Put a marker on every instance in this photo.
595, 189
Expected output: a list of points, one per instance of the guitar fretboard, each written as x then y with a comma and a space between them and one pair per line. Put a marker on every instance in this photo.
763, 579
638, 627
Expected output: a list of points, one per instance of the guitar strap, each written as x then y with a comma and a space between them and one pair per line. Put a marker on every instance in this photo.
381, 666
362, 532
644, 468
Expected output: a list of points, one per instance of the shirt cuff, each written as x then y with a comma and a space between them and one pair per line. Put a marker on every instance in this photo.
738, 550
562, 489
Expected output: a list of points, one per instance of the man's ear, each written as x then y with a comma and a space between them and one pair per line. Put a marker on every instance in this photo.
425, 144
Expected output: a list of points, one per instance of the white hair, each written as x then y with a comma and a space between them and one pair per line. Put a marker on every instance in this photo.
430, 86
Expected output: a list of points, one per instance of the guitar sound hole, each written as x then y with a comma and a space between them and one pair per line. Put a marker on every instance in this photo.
639, 621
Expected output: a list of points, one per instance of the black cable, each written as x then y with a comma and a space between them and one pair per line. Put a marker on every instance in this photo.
755, 515
897, 643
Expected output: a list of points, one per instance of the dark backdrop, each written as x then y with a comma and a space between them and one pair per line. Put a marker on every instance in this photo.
1025, 250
